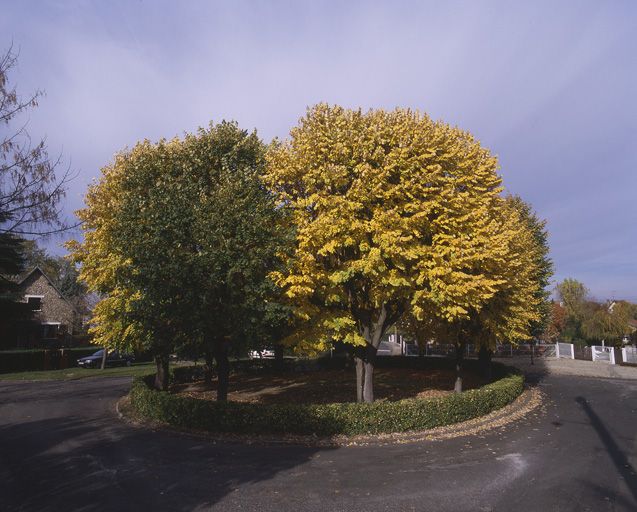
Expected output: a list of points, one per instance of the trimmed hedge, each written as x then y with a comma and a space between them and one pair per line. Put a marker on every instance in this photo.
323, 419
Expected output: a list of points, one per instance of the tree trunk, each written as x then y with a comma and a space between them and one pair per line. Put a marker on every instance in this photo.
360, 371
459, 358
223, 370
161, 376
207, 373
278, 358
484, 358
371, 330
368, 380
365, 358
104, 354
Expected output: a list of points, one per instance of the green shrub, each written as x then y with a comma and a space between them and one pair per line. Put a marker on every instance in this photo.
323, 419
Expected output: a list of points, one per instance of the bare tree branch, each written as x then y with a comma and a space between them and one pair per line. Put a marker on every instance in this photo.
30, 189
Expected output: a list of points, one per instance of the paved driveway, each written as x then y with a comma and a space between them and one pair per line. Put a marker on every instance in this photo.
63, 448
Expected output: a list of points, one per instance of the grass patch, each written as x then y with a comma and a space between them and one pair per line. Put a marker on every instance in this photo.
138, 369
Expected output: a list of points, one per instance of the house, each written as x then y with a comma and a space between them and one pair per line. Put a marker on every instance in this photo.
53, 317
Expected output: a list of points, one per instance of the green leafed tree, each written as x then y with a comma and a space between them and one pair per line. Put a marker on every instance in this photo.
236, 233
179, 238
573, 297
11, 264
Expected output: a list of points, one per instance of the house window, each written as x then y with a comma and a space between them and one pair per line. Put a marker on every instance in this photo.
35, 302
50, 329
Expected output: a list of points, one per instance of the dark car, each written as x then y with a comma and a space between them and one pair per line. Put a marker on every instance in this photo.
114, 358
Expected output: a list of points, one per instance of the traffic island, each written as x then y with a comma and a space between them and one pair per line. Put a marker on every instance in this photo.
336, 423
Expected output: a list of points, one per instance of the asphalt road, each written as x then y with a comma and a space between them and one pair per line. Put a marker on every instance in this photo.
63, 448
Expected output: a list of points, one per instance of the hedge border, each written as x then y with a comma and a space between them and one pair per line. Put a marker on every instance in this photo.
323, 419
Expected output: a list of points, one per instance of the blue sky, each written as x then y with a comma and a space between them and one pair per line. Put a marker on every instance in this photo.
550, 87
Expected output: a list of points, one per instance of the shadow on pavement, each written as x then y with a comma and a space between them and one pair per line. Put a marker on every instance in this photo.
623, 466
83, 464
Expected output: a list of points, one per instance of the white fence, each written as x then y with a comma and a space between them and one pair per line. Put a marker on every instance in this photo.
565, 350
629, 355
390, 347
549, 351
606, 354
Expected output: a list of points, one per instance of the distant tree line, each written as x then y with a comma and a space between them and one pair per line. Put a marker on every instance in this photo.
576, 317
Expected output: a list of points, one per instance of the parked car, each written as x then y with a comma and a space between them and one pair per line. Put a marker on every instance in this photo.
266, 353
114, 358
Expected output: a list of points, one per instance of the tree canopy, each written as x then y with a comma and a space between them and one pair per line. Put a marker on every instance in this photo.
360, 219
573, 297
394, 213
179, 238
608, 322
540, 267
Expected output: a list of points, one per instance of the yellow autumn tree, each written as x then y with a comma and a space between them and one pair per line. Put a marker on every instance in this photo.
518, 302
394, 213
